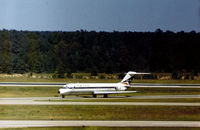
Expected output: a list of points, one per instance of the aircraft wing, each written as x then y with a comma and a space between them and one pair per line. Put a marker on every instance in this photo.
113, 92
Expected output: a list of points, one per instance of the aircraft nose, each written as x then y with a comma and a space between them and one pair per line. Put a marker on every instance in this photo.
59, 91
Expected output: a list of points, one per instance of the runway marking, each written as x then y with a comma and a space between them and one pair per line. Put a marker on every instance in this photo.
81, 123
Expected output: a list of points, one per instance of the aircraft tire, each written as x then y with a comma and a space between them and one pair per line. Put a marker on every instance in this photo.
63, 96
94, 95
105, 95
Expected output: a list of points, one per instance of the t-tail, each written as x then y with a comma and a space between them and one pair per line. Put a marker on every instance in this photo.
129, 76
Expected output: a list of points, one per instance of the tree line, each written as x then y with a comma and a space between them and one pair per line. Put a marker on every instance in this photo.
95, 52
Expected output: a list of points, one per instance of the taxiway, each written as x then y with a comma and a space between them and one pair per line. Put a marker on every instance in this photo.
83, 123
38, 101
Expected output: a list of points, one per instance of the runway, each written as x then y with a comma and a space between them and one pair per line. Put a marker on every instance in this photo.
83, 123
35, 101
99, 103
114, 97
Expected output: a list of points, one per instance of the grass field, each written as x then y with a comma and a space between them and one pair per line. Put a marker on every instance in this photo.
65, 80
168, 81
100, 128
70, 80
31, 91
21, 91
163, 91
87, 112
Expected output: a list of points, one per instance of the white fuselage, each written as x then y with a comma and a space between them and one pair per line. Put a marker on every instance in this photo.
90, 88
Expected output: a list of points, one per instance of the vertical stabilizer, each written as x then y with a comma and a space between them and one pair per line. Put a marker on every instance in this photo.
128, 77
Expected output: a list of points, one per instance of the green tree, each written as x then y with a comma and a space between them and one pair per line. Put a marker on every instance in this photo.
5, 52
33, 53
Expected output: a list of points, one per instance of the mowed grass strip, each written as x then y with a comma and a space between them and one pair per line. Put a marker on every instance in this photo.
167, 81
23, 91
57, 80
176, 91
88, 112
71, 80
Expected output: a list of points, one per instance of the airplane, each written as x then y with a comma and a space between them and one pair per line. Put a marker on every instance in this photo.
99, 88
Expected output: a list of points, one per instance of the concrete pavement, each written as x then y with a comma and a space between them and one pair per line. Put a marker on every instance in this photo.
81, 123
34, 101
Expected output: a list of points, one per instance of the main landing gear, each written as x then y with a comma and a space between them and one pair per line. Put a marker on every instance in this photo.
105, 95
63, 96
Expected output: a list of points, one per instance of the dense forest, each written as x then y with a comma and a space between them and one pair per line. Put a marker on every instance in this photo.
94, 52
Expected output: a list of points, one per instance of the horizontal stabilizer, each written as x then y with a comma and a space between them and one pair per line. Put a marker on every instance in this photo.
113, 92
141, 73
129, 76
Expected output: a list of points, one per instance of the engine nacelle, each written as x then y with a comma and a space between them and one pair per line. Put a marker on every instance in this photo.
121, 88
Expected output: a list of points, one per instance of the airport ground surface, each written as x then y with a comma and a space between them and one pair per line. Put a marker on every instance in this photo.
59, 101
42, 123
156, 105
